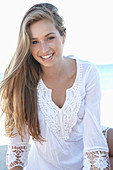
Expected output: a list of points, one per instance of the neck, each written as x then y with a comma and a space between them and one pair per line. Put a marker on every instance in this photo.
53, 72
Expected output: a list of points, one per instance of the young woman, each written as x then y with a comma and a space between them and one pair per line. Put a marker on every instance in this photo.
53, 98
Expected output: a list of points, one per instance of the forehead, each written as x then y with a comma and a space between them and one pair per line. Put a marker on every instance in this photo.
41, 28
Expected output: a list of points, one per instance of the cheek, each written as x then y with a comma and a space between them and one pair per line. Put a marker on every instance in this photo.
58, 44
33, 50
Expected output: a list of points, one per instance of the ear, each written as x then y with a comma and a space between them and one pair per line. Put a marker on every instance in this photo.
64, 37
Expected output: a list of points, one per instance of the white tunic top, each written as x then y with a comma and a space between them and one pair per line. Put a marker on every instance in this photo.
74, 140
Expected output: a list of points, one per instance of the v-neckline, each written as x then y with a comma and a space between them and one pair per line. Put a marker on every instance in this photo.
67, 90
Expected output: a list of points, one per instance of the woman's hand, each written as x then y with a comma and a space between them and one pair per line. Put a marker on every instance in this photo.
17, 168
110, 145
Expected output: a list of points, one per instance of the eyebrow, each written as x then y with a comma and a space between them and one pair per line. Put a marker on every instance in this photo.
45, 35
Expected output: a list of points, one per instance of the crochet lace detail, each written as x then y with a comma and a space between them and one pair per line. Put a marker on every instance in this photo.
61, 120
18, 154
96, 160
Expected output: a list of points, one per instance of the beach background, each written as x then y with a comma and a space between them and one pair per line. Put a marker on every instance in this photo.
89, 30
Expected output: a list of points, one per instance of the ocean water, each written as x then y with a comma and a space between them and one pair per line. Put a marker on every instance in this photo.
106, 76
1, 75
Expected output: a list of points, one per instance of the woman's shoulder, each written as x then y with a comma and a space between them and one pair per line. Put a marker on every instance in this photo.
87, 65
80, 60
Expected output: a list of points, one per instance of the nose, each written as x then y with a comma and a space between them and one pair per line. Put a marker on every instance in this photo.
43, 47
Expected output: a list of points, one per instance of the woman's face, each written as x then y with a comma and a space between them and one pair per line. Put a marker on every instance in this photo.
46, 43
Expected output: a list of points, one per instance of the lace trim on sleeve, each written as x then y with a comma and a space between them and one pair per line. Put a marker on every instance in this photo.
17, 156
96, 160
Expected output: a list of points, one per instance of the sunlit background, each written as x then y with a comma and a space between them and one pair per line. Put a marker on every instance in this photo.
89, 25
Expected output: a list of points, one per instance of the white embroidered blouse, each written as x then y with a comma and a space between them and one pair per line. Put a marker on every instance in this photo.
74, 139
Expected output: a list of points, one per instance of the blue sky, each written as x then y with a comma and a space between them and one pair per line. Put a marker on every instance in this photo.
89, 25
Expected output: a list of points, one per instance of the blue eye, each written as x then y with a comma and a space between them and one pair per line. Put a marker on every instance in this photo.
51, 38
34, 42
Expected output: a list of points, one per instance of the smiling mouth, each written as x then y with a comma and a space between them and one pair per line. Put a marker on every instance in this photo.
47, 56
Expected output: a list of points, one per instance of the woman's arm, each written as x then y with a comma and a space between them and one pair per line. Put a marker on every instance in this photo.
110, 141
17, 154
108, 133
110, 145
96, 153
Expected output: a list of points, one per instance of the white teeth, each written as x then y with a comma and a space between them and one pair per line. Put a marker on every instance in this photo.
45, 57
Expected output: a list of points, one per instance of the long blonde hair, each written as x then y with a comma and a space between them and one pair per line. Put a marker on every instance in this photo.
18, 90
